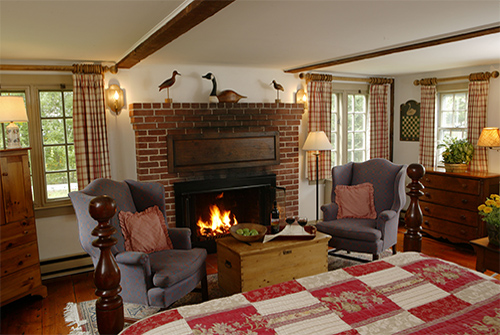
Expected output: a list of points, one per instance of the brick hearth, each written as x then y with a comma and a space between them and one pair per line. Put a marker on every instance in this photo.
153, 121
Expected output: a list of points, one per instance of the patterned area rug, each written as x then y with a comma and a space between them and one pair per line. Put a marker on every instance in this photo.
81, 317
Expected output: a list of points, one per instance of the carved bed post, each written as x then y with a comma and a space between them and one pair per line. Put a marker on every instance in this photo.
109, 305
413, 216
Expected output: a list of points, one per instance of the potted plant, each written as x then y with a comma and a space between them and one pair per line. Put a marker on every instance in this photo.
490, 211
457, 154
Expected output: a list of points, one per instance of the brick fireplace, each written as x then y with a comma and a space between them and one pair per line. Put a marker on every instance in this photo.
152, 122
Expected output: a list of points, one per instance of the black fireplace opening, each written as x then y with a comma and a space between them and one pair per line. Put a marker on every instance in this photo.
210, 207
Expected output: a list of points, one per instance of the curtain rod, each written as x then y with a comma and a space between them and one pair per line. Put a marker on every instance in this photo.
328, 77
75, 68
479, 76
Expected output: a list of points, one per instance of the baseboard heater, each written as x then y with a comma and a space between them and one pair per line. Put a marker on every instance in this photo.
64, 266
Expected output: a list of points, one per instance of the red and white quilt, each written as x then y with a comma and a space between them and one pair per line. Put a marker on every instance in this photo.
408, 293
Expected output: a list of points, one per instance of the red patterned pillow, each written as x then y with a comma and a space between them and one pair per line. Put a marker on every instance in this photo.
355, 201
145, 231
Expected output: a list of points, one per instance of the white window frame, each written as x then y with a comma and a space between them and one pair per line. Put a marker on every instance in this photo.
340, 153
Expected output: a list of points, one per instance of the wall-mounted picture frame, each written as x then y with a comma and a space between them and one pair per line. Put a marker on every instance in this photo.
410, 121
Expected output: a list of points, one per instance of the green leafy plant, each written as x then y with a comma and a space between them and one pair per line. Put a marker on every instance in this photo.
457, 151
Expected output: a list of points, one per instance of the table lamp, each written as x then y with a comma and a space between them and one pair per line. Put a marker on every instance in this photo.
317, 141
490, 137
12, 109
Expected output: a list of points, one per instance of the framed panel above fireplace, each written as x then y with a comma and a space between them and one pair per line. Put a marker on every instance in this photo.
213, 151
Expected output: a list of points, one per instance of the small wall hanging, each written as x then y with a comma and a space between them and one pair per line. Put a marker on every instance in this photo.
410, 121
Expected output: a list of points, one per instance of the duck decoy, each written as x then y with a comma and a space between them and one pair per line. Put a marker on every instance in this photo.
168, 83
224, 96
278, 88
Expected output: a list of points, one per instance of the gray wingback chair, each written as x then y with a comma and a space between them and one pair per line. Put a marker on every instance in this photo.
155, 279
367, 235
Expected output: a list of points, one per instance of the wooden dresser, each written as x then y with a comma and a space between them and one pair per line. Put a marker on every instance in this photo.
450, 201
19, 261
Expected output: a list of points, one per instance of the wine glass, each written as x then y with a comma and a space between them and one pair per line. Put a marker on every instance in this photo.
302, 221
290, 220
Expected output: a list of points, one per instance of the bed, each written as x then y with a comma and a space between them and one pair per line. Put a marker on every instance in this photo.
408, 293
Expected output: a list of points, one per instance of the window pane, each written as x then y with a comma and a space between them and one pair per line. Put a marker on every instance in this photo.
359, 156
461, 101
350, 107
334, 142
69, 130
71, 157
68, 104
359, 103
359, 140
334, 123
51, 104
447, 102
57, 185
53, 131
55, 158
447, 119
350, 141
461, 119
359, 121
350, 122
73, 181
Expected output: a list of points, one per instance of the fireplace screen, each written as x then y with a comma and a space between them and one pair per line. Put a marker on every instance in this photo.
210, 207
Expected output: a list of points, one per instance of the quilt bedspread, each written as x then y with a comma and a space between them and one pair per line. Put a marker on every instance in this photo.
408, 293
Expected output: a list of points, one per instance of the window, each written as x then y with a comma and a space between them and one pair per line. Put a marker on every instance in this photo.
49, 134
451, 118
349, 128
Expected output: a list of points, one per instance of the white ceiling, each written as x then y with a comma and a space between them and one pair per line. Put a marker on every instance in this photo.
280, 34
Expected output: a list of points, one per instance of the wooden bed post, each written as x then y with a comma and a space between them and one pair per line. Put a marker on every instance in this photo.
109, 305
413, 216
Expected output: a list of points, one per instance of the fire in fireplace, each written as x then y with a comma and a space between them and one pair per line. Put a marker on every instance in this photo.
210, 207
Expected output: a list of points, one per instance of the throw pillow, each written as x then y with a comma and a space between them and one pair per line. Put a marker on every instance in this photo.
355, 201
145, 231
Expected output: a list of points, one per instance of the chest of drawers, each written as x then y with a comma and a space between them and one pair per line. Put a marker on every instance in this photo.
450, 201
19, 261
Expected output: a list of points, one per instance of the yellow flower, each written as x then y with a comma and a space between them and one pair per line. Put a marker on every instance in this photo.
495, 197
481, 207
489, 202
488, 210
497, 203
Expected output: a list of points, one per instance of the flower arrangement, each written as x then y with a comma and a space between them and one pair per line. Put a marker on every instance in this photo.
490, 211
457, 151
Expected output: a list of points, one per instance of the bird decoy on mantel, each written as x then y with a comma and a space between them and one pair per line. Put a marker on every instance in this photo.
167, 84
224, 96
278, 88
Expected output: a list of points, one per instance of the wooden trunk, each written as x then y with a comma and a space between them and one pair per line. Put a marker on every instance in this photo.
243, 267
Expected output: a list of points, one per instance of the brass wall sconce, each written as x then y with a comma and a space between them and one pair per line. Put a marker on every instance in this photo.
115, 98
301, 97
490, 137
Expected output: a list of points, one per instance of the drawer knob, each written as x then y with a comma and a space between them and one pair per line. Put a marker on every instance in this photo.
464, 185
427, 209
228, 264
5, 174
286, 252
28, 255
462, 232
427, 180
25, 232
20, 263
462, 217
427, 194
426, 222
464, 201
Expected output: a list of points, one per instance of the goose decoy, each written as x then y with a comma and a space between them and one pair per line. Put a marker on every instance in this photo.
224, 96
213, 94
168, 83
278, 88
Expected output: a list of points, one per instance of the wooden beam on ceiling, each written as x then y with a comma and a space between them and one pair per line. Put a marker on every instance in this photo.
409, 47
194, 13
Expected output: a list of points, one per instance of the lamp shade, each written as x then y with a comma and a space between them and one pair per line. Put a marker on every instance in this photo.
12, 109
490, 137
317, 141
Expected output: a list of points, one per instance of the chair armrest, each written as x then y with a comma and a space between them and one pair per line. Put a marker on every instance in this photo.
181, 238
330, 211
387, 223
136, 278
387, 215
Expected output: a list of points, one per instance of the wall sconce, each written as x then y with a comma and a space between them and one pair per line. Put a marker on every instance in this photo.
301, 97
12, 109
114, 98
490, 137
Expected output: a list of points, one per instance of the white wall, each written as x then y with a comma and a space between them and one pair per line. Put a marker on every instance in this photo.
141, 85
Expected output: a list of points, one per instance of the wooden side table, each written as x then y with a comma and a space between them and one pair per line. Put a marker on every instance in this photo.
488, 255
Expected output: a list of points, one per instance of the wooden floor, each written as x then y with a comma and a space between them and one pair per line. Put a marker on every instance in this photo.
33, 315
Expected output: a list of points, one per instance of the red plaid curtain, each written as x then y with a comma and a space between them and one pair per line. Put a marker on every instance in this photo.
379, 133
427, 125
320, 106
476, 121
89, 127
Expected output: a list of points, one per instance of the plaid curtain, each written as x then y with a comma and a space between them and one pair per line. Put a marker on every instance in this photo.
320, 106
89, 127
379, 133
476, 121
427, 125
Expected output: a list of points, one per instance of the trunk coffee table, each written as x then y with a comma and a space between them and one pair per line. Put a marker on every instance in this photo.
244, 267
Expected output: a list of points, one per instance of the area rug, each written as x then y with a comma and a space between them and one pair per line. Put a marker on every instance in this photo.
81, 317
